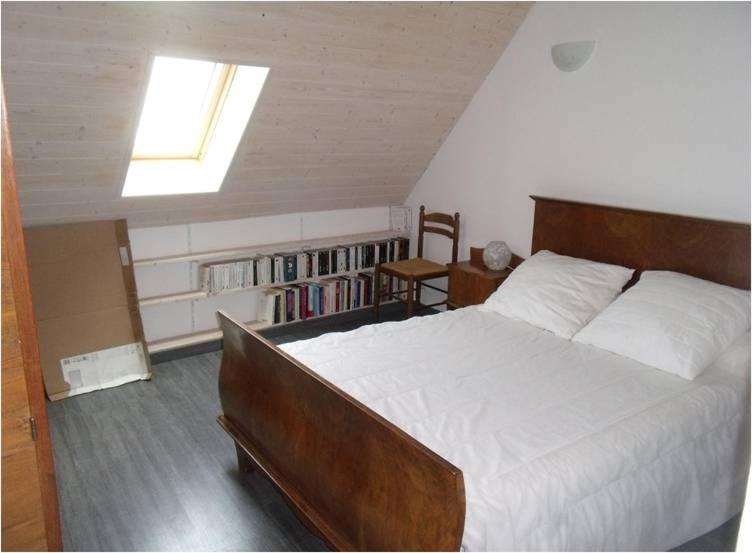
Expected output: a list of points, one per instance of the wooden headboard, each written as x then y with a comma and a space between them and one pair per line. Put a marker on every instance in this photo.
644, 240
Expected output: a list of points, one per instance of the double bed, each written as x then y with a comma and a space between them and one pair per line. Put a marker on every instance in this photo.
468, 429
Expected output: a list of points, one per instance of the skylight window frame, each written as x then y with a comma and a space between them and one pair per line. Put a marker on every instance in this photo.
211, 117
151, 177
228, 77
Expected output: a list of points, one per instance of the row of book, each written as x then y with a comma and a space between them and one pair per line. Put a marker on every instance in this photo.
313, 299
221, 276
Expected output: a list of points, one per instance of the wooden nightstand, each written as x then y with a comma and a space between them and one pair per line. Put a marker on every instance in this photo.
470, 282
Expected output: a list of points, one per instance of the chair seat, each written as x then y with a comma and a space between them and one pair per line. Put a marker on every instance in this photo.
417, 268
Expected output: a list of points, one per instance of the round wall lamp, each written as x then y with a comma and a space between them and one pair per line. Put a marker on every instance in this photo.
571, 56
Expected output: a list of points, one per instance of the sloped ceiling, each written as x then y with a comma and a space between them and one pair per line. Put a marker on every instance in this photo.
358, 100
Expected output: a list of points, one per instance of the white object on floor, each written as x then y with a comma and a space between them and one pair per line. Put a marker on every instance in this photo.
103, 369
563, 446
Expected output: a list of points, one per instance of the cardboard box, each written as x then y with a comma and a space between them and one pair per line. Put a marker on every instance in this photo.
86, 306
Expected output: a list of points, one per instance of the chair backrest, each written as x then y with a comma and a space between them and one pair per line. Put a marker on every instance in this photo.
453, 232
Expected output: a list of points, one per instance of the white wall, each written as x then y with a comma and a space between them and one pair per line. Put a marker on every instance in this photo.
175, 319
658, 119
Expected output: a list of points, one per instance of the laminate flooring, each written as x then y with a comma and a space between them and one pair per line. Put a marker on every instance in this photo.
145, 467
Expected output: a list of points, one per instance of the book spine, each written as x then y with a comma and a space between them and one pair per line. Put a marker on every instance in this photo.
296, 303
303, 302
289, 305
290, 268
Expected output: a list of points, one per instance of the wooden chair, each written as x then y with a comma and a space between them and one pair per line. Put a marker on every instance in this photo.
414, 271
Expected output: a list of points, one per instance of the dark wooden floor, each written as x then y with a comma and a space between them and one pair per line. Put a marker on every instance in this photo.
145, 467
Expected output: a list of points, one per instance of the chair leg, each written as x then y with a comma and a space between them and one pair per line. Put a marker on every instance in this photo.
417, 294
376, 292
410, 284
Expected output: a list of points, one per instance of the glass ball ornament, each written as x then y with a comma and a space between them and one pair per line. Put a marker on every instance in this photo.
497, 255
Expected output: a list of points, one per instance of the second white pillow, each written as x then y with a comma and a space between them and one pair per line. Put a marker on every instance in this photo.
670, 321
558, 293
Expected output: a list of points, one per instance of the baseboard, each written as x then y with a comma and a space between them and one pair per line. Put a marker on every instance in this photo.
186, 351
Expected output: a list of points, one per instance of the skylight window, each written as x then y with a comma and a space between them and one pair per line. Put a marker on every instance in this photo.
182, 99
194, 115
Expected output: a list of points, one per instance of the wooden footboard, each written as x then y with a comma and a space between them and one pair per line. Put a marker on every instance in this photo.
356, 479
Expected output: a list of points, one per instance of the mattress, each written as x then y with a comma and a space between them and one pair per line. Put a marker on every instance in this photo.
563, 446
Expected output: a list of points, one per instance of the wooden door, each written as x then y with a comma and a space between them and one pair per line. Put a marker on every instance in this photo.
30, 519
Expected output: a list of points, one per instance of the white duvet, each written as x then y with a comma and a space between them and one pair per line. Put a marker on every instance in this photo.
563, 446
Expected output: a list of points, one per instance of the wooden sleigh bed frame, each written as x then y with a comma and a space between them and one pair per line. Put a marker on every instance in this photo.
361, 483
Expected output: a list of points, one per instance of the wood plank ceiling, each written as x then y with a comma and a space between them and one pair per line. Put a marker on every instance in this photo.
359, 98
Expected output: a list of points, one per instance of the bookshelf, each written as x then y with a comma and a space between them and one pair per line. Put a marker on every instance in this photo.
196, 260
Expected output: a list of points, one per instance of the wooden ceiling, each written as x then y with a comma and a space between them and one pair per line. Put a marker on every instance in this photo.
359, 98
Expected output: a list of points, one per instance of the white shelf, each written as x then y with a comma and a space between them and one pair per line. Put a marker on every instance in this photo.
266, 249
211, 335
181, 296
200, 294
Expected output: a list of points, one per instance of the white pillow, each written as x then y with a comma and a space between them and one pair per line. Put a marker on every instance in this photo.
558, 293
673, 322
